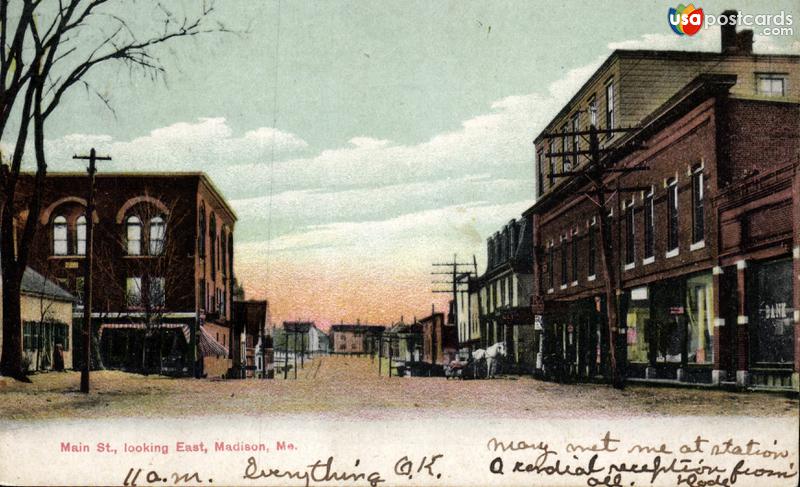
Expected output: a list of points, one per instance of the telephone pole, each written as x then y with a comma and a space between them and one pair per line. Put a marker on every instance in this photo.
599, 166
87, 269
456, 282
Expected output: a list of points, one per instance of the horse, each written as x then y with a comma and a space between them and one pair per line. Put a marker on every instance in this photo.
491, 355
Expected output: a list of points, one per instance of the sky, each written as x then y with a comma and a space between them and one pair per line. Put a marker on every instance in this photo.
358, 142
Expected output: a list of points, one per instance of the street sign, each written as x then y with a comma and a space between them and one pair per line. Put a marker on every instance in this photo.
676, 310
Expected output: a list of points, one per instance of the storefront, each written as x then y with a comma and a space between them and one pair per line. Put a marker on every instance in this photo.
771, 325
670, 329
575, 340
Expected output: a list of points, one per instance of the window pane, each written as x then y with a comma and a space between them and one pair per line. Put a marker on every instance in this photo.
134, 236
672, 208
157, 231
698, 224
133, 290
630, 235
157, 292
648, 226
60, 236
80, 231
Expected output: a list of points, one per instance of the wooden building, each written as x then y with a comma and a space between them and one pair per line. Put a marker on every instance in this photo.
248, 329
439, 341
46, 313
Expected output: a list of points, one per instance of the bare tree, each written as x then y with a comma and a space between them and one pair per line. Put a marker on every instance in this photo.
154, 284
48, 49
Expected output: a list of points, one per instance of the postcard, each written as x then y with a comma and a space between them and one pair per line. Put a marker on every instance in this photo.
368, 243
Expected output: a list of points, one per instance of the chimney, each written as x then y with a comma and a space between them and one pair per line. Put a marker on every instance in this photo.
727, 23
744, 41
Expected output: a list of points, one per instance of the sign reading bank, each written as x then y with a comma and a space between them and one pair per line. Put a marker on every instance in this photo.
685, 19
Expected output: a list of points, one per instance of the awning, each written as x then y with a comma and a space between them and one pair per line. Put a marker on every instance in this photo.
141, 326
209, 347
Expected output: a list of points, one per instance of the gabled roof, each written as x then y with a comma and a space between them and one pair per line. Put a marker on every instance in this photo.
36, 284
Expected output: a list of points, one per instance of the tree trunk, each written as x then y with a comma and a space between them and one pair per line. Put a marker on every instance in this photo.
144, 352
96, 358
11, 360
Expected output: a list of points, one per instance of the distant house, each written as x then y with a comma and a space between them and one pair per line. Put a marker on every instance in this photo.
318, 341
355, 339
439, 340
249, 321
46, 311
403, 343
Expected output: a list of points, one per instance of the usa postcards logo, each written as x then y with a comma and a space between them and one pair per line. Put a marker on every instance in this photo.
685, 19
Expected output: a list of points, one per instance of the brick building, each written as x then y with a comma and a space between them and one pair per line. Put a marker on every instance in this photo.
439, 341
163, 264
707, 254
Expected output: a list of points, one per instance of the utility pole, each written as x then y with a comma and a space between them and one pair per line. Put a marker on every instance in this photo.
599, 167
87, 269
456, 284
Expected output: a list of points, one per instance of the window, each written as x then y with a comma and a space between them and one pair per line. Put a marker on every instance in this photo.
566, 162
698, 215
201, 291
771, 84
223, 251
212, 240
134, 233
540, 174
575, 258
157, 233
550, 269
630, 234
80, 233
672, 214
61, 335
133, 291
28, 334
610, 122
552, 164
201, 233
649, 225
156, 292
563, 262
60, 236
593, 111
592, 260
576, 146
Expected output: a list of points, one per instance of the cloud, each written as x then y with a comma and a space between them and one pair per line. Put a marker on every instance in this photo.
204, 143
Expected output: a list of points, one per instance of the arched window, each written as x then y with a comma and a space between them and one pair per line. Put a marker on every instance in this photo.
60, 236
80, 233
212, 235
134, 234
223, 247
230, 255
201, 239
157, 233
